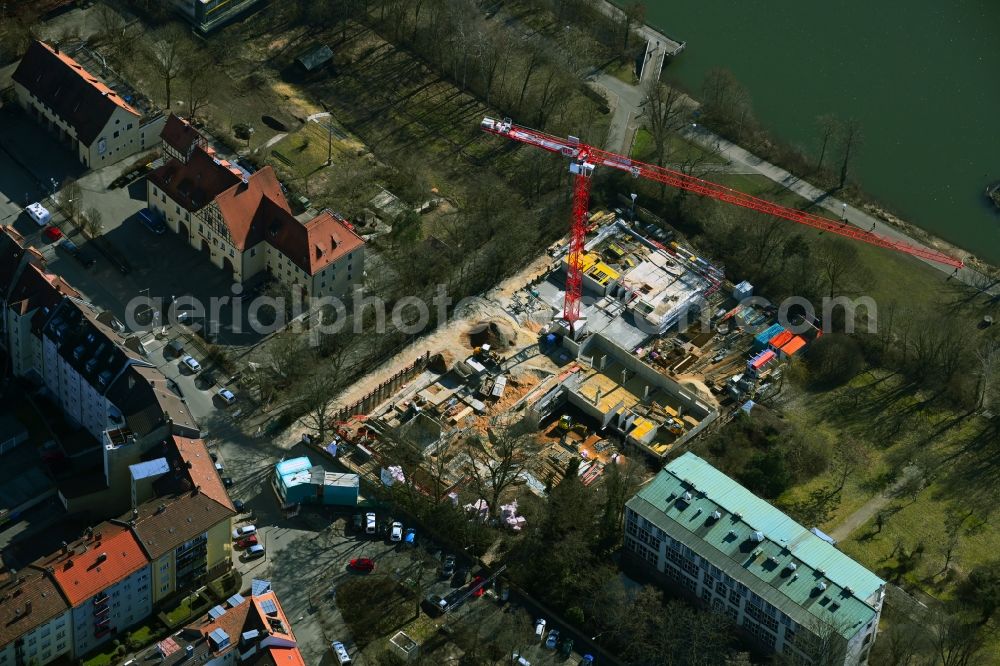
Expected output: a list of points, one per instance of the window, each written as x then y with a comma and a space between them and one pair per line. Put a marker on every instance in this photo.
117, 121
129, 126
116, 133
177, 209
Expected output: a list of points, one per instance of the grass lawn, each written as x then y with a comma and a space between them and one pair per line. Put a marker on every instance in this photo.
183, 611
882, 411
624, 71
679, 149
142, 636
101, 658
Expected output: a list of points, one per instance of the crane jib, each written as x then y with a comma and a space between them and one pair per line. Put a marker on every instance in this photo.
573, 149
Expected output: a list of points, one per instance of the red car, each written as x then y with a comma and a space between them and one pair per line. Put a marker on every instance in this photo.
363, 564
476, 581
52, 233
246, 542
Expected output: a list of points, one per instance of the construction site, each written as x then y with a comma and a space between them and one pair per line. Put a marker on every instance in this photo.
619, 343
628, 380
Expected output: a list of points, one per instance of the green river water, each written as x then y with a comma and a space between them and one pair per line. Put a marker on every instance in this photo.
922, 77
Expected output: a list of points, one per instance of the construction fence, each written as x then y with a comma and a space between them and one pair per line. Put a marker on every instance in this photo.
383, 391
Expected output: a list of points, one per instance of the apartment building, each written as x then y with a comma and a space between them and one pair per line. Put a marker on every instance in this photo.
105, 577
70, 349
243, 224
97, 122
28, 294
185, 529
75, 600
245, 630
35, 619
789, 591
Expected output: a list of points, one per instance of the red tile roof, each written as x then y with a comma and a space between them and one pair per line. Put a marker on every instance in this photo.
282, 656
196, 183
316, 244
64, 86
95, 564
34, 289
28, 600
180, 135
201, 469
257, 200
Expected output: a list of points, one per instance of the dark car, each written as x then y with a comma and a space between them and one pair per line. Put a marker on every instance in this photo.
448, 566
239, 506
228, 482
461, 577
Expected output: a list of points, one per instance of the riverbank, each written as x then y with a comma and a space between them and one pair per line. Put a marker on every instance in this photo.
845, 67
863, 211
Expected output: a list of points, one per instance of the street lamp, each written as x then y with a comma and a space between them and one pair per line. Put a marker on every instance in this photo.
844, 212
632, 212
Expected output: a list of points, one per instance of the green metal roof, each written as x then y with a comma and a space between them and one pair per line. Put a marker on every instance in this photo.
785, 566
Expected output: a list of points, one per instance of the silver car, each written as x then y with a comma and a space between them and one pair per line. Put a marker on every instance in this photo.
191, 363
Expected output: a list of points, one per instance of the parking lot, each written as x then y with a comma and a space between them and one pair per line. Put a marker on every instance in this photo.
307, 557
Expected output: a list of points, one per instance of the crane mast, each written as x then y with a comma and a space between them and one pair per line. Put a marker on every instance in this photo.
584, 158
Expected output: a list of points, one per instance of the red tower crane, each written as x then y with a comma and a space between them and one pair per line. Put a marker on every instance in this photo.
583, 158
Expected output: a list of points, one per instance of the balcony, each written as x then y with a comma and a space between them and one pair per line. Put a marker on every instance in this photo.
101, 599
98, 612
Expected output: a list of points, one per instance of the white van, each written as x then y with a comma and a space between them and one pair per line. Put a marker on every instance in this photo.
340, 652
39, 214
369, 523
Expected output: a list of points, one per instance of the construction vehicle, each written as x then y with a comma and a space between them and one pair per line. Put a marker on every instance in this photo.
484, 354
585, 158
565, 423
674, 426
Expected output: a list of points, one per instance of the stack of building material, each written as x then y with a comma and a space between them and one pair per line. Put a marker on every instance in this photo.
508, 514
480, 508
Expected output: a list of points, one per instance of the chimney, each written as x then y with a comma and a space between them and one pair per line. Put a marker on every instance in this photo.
597, 396
27, 607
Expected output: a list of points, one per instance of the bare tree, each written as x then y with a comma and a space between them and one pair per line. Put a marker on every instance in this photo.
198, 83
496, 462
92, 222
317, 395
665, 115
850, 140
829, 126
71, 199
165, 52
989, 357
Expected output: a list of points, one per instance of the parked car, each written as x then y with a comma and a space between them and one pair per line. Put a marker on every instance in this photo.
38, 213
540, 628
246, 530
396, 533
435, 605
588, 660
552, 640
448, 566
176, 347
370, 527
52, 233
410, 537
226, 396
248, 541
358, 522
476, 581
219, 468
152, 222
516, 658
255, 551
191, 363
239, 506
566, 647
340, 652
228, 482
364, 564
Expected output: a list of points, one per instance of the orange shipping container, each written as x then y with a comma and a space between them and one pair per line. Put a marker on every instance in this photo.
781, 339
794, 345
